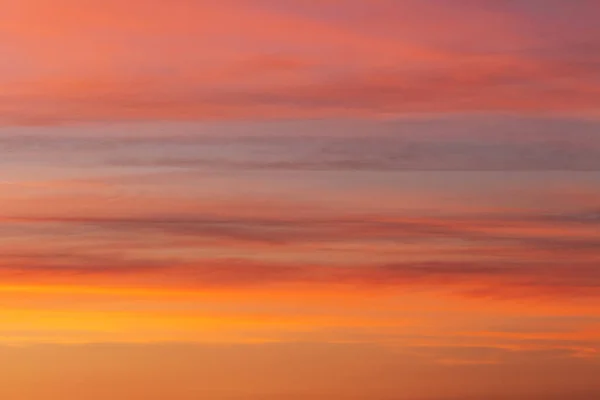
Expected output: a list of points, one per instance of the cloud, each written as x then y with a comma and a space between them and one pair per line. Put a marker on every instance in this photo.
391, 153
115, 61
463, 143
503, 255
532, 231
471, 279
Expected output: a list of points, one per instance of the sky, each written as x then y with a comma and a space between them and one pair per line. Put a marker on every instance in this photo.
300, 199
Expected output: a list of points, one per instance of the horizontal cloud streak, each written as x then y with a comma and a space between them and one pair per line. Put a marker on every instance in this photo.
465, 143
330, 194
257, 65
479, 280
518, 254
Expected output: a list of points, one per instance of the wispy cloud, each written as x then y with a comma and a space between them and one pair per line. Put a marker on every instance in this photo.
343, 192
514, 255
163, 67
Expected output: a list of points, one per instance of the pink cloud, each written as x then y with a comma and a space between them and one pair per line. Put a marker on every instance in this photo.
184, 60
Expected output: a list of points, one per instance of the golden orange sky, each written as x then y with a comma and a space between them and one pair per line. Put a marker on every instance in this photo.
299, 199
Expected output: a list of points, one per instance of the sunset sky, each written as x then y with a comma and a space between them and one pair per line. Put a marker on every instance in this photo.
299, 199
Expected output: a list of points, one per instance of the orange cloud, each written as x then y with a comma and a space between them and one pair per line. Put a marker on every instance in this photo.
317, 258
